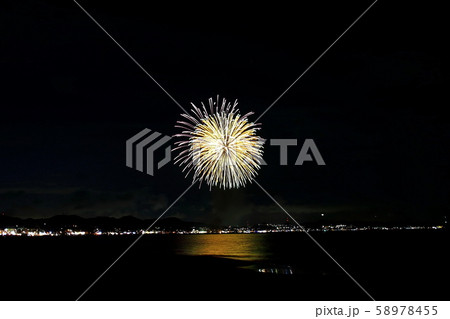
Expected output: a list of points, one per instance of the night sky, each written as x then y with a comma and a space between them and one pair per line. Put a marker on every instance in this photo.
374, 105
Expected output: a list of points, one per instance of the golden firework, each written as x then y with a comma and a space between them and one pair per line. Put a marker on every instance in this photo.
220, 146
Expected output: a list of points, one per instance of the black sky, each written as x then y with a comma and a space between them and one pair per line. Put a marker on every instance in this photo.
374, 104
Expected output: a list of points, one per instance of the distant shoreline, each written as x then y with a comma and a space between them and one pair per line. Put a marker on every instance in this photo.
9, 233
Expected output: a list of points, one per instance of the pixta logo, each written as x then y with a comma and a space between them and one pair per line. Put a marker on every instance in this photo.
309, 148
140, 151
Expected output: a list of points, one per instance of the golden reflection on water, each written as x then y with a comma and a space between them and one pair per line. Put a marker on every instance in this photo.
248, 247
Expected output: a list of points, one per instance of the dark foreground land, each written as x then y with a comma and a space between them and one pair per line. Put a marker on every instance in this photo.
407, 265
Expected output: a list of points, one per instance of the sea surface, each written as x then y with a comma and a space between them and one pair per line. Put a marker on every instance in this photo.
404, 265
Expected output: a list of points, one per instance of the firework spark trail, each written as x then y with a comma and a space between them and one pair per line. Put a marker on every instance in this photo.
220, 145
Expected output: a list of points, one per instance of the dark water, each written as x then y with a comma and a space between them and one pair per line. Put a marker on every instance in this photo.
408, 265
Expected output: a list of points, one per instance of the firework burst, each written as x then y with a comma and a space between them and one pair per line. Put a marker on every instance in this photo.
220, 146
